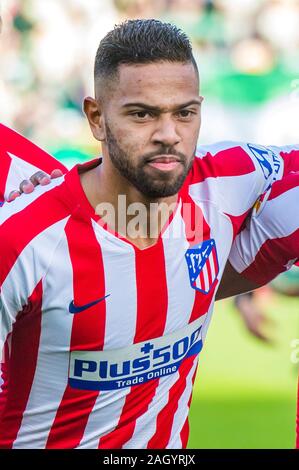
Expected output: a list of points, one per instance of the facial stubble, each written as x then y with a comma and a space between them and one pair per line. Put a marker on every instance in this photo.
153, 188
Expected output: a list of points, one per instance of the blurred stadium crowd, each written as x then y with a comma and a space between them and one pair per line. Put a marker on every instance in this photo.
247, 52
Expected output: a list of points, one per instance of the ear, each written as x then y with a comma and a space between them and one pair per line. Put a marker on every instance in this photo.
93, 110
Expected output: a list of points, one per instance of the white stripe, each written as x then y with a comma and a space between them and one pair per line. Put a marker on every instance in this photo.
51, 374
182, 411
118, 257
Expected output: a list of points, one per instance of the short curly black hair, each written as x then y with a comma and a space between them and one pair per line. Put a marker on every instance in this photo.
140, 42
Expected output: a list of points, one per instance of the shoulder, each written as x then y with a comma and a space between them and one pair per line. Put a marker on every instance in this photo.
232, 158
29, 217
216, 148
227, 158
217, 165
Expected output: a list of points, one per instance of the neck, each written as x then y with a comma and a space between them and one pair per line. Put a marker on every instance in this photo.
125, 210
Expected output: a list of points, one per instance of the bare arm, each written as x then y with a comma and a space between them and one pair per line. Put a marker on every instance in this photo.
233, 283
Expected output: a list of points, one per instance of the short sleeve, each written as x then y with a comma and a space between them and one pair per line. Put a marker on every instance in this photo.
269, 243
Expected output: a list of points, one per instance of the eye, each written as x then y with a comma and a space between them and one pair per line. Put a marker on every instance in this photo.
186, 114
142, 115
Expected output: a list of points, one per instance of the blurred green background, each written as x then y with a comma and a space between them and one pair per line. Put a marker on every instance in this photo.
245, 391
247, 53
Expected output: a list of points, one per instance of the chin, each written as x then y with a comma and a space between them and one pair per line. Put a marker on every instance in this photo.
160, 192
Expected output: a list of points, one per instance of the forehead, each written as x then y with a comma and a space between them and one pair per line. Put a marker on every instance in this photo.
157, 84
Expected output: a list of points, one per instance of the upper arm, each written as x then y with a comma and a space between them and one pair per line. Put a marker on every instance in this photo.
233, 283
269, 244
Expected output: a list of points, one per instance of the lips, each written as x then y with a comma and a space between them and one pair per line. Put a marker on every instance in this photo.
164, 162
162, 166
164, 159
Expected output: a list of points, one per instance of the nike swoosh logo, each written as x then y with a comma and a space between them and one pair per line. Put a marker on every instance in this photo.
74, 309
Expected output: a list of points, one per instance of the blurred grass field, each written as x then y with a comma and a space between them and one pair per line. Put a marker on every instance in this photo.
245, 390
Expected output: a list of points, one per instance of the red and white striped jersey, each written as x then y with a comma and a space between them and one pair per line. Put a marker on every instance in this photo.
269, 243
101, 339
20, 159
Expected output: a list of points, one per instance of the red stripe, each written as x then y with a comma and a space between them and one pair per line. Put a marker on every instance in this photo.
233, 161
165, 418
185, 433
5, 162
291, 161
88, 330
272, 258
238, 221
289, 182
22, 364
152, 300
36, 217
23, 148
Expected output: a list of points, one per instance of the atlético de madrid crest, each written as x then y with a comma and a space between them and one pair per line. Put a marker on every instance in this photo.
203, 267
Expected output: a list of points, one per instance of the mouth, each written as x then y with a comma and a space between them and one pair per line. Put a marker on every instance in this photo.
164, 162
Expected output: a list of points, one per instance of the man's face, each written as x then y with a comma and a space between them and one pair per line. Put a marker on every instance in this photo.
151, 124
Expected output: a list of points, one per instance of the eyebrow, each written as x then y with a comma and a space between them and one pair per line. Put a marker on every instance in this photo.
156, 108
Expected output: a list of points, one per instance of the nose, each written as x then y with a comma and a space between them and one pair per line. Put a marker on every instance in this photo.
166, 132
